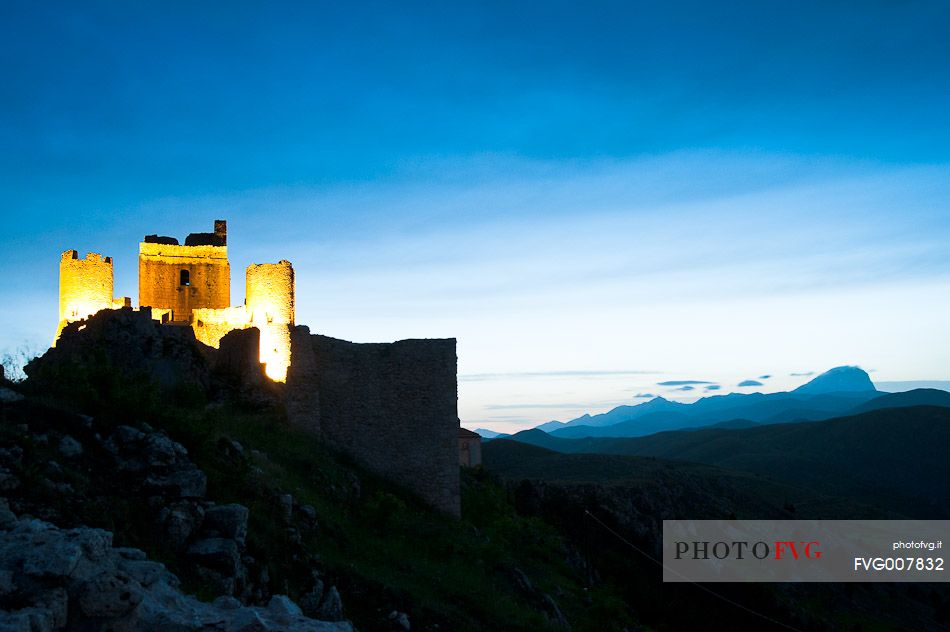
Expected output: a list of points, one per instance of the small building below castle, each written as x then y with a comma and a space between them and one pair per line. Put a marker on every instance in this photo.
470, 448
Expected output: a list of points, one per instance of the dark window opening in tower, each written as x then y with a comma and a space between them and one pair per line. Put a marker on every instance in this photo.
183, 278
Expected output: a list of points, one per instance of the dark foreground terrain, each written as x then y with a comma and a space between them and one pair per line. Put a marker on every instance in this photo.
123, 495
885, 464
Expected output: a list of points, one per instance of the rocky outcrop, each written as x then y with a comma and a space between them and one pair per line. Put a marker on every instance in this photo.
56, 579
155, 463
75, 470
211, 537
127, 344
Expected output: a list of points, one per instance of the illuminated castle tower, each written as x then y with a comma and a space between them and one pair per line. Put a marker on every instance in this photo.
179, 279
85, 287
270, 308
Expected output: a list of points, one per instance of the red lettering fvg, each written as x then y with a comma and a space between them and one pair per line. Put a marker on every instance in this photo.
808, 550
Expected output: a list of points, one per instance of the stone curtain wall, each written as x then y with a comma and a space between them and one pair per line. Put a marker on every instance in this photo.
211, 325
302, 395
393, 408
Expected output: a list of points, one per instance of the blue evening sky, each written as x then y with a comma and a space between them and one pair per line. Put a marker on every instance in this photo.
593, 197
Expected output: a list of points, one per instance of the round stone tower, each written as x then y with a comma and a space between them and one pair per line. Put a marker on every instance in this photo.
85, 287
270, 292
270, 308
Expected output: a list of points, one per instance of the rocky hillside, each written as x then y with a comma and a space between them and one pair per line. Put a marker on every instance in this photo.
56, 579
73, 470
208, 479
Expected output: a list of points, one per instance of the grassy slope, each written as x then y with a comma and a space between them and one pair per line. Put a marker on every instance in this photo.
375, 541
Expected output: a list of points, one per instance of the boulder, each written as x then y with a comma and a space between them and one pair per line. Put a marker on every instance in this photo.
331, 608
286, 504
112, 593
227, 521
7, 519
400, 620
74, 579
282, 609
69, 447
219, 554
179, 521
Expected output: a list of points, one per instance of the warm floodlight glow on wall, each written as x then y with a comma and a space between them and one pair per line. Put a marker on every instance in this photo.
86, 287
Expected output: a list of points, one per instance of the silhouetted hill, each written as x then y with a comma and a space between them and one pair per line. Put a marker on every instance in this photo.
893, 457
617, 415
485, 433
840, 379
672, 489
542, 439
552, 425
638, 426
735, 423
916, 397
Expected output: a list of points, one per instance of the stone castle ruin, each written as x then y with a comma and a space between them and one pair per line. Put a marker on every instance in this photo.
190, 285
393, 407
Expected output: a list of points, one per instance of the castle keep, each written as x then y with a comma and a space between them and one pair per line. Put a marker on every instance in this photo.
178, 279
393, 407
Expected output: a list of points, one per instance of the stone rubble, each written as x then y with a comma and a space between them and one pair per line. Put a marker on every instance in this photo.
56, 579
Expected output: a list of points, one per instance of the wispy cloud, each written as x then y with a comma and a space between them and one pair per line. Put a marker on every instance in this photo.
682, 382
748, 383
482, 377
572, 406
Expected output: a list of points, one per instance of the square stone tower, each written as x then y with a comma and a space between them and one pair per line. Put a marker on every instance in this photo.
180, 278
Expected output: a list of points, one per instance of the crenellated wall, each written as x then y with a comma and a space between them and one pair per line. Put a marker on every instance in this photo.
85, 287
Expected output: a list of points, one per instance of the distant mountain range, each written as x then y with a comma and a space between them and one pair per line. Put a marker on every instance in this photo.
893, 457
837, 392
